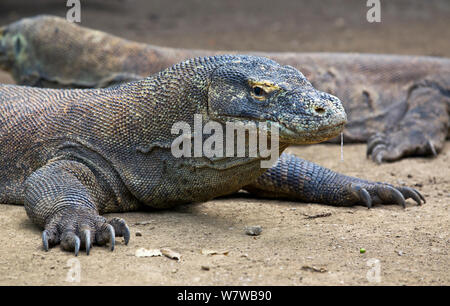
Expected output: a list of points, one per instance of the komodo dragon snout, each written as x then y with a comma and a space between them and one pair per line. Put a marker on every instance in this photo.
261, 90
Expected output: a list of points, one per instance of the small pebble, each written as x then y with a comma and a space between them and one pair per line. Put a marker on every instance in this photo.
138, 234
253, 230
205, 268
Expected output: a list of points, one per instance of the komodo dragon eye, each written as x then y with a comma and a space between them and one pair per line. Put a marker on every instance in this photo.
259, 91
262, 90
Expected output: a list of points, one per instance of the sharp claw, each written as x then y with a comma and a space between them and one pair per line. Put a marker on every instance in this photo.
365, 197
398, 197
373, 143
432, 148
77, 245
126, 234
378, 153
379, 157
420, 195
87, 240
45, 240
112, 236
121, 229
413, 194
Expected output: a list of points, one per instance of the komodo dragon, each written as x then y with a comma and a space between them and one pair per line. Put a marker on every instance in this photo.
70, 155
400, 105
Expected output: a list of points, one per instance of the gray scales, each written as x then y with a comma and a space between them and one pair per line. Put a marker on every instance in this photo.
70, 155
399, 105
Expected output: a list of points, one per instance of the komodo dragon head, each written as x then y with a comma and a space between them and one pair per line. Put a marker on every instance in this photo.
257, 89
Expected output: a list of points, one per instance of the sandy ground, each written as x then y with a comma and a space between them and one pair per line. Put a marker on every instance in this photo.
410, 246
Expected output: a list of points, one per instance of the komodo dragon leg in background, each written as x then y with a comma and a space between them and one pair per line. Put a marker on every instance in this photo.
398, 104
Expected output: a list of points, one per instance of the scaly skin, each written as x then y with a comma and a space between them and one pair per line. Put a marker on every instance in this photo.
71, 155
400, 105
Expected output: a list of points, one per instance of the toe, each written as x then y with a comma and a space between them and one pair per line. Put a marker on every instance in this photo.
50, 237
389, 194
375, 140
86, 240
411, 193
121, 228
45, 240
70, 242
365, 198
106, 234
362, 195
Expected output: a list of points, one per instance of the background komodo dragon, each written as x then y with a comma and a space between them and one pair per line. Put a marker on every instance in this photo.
70, 155
399, 104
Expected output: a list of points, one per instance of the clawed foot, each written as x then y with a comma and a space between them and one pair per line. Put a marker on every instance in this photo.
385, 148
81, 230
369, 194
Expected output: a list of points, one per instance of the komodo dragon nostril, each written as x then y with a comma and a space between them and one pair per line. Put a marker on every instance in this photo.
319, 110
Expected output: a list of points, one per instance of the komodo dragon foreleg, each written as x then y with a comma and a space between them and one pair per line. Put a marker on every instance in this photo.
298, 179
64, 198
51, 52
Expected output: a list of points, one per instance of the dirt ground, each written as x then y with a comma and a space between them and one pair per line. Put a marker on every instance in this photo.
409, 247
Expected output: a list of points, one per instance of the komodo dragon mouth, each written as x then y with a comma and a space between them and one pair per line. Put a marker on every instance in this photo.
289, 135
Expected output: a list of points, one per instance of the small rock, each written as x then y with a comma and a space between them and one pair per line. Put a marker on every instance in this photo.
418, 184
205, 268
138, 234
253, 230
401, 183
400, 253
409, 176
